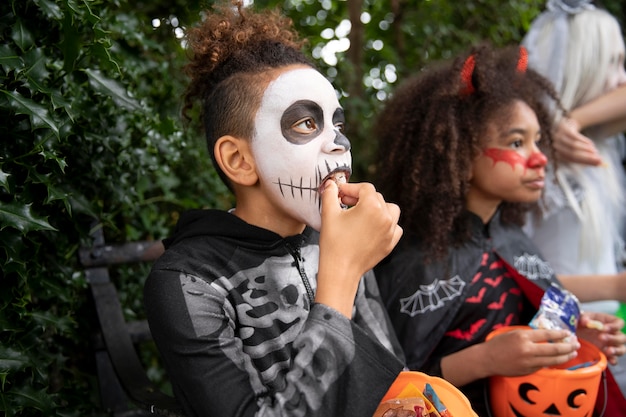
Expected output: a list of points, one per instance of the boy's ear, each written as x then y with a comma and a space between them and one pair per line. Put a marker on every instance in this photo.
235, 159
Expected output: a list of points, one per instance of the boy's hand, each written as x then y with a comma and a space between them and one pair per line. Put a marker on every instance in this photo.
367, 231
352, 240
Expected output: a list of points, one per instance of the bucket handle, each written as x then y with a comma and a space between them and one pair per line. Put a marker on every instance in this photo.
487, 399
605, 393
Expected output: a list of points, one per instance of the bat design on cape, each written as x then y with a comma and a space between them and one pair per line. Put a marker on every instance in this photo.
533, 267
432, 296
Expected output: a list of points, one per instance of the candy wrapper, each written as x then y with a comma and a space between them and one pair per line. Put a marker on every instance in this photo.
402, 407
418, 389
432, 396
559, 309
412, 402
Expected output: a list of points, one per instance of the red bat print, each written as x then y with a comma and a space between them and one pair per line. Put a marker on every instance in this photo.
477, 298
515, 291
496, 265
497, 305
477, 277
483, 262
467, 335
507, 322
494, 282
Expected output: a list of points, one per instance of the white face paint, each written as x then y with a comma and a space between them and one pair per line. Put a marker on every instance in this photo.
298, 142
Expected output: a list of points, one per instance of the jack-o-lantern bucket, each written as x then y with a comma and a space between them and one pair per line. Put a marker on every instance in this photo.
408, 381
568, 390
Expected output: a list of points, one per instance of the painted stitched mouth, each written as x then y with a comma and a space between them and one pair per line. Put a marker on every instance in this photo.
340, 174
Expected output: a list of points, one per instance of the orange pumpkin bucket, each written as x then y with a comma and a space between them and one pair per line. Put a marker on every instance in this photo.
408, 382
568, 390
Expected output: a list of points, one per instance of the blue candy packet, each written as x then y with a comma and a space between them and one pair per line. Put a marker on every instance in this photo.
559, 309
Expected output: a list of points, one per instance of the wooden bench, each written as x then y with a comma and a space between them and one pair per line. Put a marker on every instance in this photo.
125, 389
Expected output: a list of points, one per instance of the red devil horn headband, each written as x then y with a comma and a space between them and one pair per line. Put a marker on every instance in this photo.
522, 62
468, 70
466, 75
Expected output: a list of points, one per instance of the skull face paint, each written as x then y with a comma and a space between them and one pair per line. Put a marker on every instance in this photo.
298, 142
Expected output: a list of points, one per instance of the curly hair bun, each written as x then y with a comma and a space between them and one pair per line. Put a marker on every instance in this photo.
232, 39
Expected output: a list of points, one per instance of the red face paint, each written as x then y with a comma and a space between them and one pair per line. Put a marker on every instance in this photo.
505, 155
509, 156
537, 160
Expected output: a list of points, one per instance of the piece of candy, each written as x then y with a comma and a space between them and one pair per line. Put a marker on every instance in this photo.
432, 396
595, 324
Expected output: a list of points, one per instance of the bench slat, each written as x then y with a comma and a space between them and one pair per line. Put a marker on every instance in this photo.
124, 253
122, 376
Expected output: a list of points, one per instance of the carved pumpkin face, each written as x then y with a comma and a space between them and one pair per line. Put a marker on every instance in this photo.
551, 392
532, 403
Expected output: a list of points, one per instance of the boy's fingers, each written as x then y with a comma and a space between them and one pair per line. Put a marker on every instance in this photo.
394, 209
330, 196
351, 193
349, 190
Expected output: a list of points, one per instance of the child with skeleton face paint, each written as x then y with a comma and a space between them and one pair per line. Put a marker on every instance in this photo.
467, 163
298, 142
271, 308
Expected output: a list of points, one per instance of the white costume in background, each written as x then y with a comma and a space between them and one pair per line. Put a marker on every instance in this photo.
579, 227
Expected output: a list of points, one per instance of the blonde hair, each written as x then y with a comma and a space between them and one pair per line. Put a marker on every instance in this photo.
592, 47
576, 52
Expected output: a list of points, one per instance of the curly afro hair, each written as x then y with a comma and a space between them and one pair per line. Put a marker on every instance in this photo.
234, 53
432, 128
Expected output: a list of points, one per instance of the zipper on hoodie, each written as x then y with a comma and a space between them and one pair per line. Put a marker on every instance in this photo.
297, 256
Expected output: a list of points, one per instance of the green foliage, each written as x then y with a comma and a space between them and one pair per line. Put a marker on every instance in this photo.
89, 101
89, 104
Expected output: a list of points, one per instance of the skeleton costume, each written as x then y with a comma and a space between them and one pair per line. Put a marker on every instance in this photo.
231, 309
496, 278
231, 305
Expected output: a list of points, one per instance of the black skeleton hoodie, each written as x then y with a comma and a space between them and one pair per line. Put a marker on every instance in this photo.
231, 308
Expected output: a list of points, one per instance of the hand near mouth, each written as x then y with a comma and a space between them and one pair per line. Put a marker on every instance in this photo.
352, 241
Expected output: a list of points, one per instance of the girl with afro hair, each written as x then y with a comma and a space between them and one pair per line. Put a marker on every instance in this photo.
462, 151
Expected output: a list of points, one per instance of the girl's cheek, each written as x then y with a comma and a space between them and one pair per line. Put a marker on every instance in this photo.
509, 157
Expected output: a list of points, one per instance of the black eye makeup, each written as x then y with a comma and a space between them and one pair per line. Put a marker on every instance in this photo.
339, 119
302, 122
